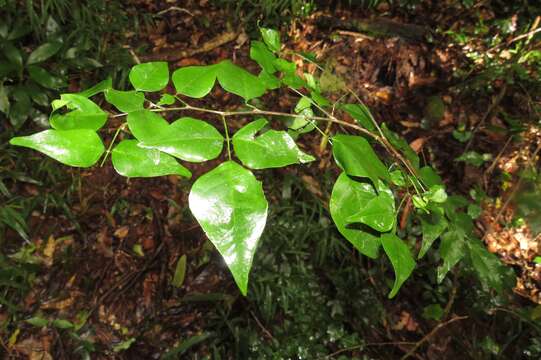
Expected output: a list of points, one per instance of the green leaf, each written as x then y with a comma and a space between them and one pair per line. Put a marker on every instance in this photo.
357, 158
85, 115
474, 211
271, 37
62, 324
490, 270
271, 82
124, 345
195, 81
261, 54
180, 272
43, 52
238, 81
271, 149
451, 250
429, 176
131, 160
20, 108
45, 79
229, 204
151, 76
188, 139
14, 220
433, 225
378, 212
401, 144
80, 147
437, 194
474, 158
401, 259
13, 54
4, 100
98, 88
433, 312
320, 99
37, 321
125, 101
361, 114
347, 197
166, 99
145, 124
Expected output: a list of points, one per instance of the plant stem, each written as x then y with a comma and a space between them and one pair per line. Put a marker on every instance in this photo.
108, 151
227, 138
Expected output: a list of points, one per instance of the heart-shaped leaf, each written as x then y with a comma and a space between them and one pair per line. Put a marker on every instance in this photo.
151, 76
347, 197
195, 81
125, 101
238, 81
80, 147
85, 115
188, 139
401, 259
131, 160
271, 149
145, 124
357, 158
229, 204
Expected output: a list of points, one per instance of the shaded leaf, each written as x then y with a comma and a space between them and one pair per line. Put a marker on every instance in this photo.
45, 79
131, 160
401, 259
261, 54
347, 197
451, 250
151, 76
43, 52
490, 270
271, 149
361, 114
432, 225
229, 204
180, 272
80, 147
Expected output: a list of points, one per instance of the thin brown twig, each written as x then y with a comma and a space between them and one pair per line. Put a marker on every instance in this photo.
430, 334
263, 328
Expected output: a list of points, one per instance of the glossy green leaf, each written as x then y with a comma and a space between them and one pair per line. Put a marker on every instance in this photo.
452, 250
145, 124
261, 54
151, 76
433, 225
490, 270
378, 212
195, 81
43, 52
45, 79
429, 176
229, 204
85, 113
436, 194
270, 149
188, 139
98, 88
401, 259
361, 114
271, 37
347, 197
238, 81
125, 101
357, 158
80, 147
131, 160
166, 99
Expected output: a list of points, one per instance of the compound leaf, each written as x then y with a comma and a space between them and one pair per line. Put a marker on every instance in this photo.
229, 204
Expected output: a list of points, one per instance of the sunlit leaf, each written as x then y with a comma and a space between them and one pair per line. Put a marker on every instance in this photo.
125, 101
85, 114
145, 124
238, 81
151, 76
98, 88
401, 259
378, 212
195, 81
261, 54
131, 160
270, 149
229, 204
271, 38
188, 139
347, 197
80, 147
